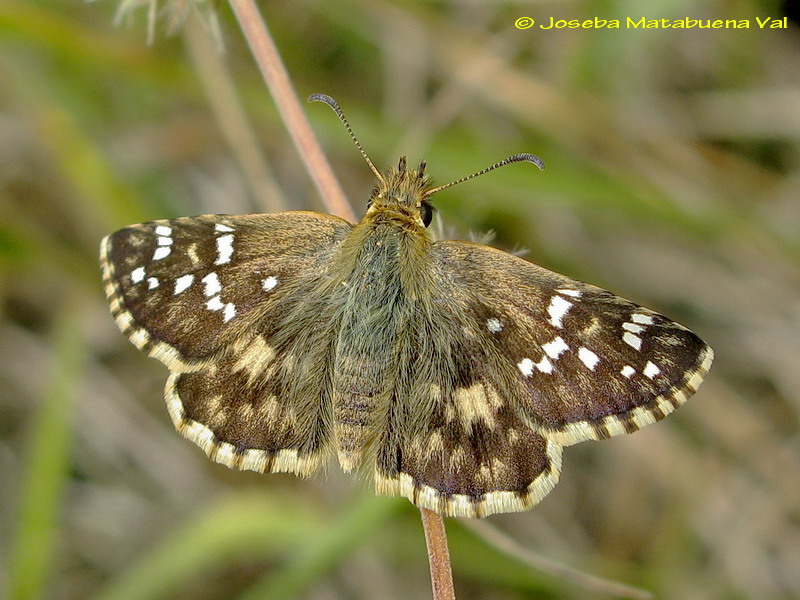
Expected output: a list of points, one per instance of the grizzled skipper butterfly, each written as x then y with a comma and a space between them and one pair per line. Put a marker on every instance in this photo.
454, 373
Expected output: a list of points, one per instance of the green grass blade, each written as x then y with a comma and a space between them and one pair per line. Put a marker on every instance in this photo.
352, 528
243, 527
47, 468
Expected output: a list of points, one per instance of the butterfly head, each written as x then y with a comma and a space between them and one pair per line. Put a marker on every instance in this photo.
404, 193
403, 190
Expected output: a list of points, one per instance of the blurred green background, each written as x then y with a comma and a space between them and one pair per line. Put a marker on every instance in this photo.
672, 179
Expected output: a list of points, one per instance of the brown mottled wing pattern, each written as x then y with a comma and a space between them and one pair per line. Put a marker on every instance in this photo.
206, 295
539, 361
462, 387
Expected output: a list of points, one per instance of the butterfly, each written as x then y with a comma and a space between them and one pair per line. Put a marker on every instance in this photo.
452, 373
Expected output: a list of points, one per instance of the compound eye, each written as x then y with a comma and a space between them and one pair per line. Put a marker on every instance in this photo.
426, 213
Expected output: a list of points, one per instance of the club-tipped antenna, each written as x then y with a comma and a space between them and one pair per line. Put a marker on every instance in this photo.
335, 106
511, 159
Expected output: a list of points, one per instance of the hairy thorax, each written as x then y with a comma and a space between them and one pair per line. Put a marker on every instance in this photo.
382, 272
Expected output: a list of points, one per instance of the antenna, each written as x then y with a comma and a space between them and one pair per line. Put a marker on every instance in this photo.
335, 106
511, 159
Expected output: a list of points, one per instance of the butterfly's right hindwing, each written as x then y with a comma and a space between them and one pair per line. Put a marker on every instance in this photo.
509, 362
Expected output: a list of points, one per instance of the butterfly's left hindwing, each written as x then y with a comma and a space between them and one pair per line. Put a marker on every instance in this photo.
207, 296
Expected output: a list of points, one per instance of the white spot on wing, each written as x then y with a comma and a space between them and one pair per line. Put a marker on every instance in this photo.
163, 230
633, 328
644, 319
161, 252
229, 312
567, 292
494, 325
215, 304
557, 310
137, 275
182, 283
627, 371
224, 249
152, 283
526, 366
632, 340
164, 241
269, 283
222, 227
589, 358
555, 348
212, 285
651, 370
544, 365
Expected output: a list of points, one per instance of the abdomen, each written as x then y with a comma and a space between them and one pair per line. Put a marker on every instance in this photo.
365, 359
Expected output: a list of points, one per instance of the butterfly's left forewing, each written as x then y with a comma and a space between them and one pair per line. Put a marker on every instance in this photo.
182, 289
207, 296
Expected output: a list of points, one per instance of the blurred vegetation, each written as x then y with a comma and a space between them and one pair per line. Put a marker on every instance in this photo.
672, 179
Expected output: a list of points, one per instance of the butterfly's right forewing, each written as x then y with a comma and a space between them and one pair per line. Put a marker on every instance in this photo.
581, 363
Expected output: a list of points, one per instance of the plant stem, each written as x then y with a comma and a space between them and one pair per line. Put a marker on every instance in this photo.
230, 115
438, 555
277, 80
